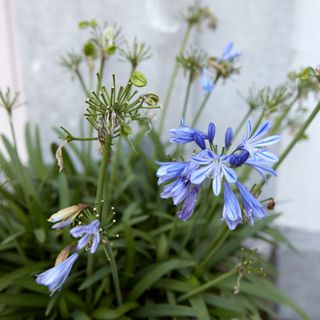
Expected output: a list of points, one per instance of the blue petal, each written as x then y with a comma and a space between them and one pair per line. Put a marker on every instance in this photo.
262, 130
267, 156
216, 184
95, 243
201, 174
229, 173
267, 141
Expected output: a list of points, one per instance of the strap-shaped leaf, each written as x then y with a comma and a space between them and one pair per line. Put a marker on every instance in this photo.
156, 273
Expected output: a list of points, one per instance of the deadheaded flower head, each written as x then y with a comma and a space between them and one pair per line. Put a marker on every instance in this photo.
66, 216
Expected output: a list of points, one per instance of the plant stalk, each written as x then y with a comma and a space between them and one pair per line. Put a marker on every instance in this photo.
291, 145
206, 286
99, 205
173, 80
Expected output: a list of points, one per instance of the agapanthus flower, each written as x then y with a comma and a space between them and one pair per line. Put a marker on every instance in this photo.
179, 188
261, 166
169, 170
257, 145
231, 209
252, 205
66, 216
206, 81
218, 165
189, 203
227, 54
185, 134
90, 235
213, 166
55, 277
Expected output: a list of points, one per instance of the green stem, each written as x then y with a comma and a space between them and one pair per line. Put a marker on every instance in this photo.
173, 79
283, 116
101, 69
201, 108
204, 102
114, 271
172, 233
216, 247
243, 121
82, 83
205, 286
72, 138
102, 174
99, 205
258, 122
186, 98
291, 145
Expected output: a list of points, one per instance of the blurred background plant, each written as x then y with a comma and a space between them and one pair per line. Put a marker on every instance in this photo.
199, 271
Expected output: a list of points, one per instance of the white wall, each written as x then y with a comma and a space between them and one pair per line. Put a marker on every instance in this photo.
274, 36
299, 177
10, 71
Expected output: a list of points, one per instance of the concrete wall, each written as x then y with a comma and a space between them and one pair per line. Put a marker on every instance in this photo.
10, 70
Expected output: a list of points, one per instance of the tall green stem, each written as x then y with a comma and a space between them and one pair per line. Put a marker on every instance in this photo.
186, 98
201, 108
99, 206
243, 121
173, 80
206, 286
83, 85
291, 145
204, 102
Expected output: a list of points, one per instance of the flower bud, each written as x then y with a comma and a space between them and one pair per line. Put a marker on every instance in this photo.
199, 140
236, 160
138, 79
66, 216
211, 132
228, 138
64, 254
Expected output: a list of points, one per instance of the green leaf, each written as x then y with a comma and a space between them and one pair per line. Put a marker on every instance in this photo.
24, 299
138, 79
87, 23
40, 235
106, 313
165, 310
12, 237
162, 247
80, 315
6, 280
98, 275
157, 271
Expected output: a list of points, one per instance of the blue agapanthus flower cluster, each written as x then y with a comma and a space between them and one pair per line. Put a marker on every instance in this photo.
89, 238
218, 165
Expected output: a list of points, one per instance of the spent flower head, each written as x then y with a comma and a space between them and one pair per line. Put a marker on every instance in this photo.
135, 54
225, 64
111, 111
104, 40
193, 61
71, 61
197, 14
9, 100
